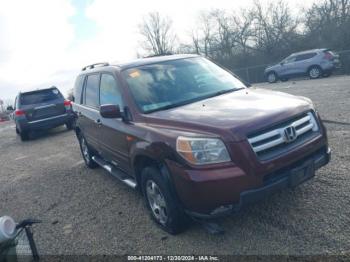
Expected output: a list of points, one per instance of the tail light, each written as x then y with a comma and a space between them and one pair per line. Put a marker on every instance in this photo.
19, 112
68, 104
328, 56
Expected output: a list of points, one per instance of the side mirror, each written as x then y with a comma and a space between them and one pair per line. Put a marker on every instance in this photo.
9, 108
110, 111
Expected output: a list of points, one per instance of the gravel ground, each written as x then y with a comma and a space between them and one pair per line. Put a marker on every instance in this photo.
89, 212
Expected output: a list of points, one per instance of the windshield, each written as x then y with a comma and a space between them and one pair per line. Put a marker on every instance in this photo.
177, 82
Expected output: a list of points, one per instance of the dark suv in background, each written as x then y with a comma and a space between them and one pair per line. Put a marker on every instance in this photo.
192, 137
41, 109
312, 63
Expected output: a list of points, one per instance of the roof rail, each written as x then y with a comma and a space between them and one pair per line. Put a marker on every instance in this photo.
94, 65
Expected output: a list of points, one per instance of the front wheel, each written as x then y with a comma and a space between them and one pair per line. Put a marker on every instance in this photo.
272, 77
87, 153
70, 125
315, 72
161, 203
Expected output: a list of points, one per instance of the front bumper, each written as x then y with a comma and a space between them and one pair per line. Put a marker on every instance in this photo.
290, 176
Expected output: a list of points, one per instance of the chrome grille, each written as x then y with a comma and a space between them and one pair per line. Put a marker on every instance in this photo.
288, 133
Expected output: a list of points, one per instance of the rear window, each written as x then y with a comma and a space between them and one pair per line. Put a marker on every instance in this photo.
41, 96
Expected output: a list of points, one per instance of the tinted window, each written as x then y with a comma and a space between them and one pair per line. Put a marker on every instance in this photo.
78, 87
109, 91
41, 96
305, 56
91, 90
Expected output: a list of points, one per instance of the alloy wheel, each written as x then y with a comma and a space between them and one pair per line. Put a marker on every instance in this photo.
315, 72
157, 202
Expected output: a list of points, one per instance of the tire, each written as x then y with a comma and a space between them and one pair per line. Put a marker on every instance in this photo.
160, 202
272, 77
70, 125
315, 72
24, 135
17, 131
87, 153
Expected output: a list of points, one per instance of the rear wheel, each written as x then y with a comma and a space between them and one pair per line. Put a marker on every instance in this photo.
315, 72
161, 203
87, 153
272, 77
24, 135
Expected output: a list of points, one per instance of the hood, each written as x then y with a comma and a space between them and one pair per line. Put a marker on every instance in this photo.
270, 67
239, 112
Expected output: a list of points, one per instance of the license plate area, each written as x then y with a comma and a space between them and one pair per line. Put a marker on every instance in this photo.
301, 174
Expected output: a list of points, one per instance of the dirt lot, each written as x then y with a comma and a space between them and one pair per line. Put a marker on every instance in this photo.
89, 212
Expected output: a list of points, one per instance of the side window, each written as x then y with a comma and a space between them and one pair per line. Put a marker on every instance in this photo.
78, 88
290, 59
91, 91
109, 91
305, 56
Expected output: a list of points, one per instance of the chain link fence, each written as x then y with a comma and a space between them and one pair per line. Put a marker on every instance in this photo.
255, 74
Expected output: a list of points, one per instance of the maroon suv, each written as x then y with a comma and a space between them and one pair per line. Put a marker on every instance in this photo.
192, 137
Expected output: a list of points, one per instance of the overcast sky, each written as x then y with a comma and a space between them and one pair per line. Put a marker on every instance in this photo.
47, 42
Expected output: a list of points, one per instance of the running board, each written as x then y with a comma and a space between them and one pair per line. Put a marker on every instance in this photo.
115, 172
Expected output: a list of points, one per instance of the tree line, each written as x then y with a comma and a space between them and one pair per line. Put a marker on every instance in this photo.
261, 34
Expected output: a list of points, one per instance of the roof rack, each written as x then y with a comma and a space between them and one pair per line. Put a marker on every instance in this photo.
94, 65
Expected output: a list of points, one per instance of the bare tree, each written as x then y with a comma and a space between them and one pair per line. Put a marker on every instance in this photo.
327, 23
159, 38
274, 27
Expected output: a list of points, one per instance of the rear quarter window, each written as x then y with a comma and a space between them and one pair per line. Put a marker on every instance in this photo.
41, 96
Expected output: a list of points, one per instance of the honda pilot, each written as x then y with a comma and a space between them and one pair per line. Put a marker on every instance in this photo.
192, 137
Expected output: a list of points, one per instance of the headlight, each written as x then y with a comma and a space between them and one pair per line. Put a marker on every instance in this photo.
200, 151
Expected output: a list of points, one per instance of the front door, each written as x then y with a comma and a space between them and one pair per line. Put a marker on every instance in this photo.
288, 66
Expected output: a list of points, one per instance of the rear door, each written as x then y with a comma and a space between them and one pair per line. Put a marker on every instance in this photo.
42, 104
303, 62
114, 144
88, 112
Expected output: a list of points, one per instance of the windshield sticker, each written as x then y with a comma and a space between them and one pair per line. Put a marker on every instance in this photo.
134, 74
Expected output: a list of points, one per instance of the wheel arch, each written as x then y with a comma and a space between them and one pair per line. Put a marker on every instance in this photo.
314, 65
143, 160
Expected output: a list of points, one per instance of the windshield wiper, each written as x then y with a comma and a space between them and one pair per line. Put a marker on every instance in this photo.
194, 100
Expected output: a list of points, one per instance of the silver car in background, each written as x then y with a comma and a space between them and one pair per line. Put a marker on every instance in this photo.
312, 63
